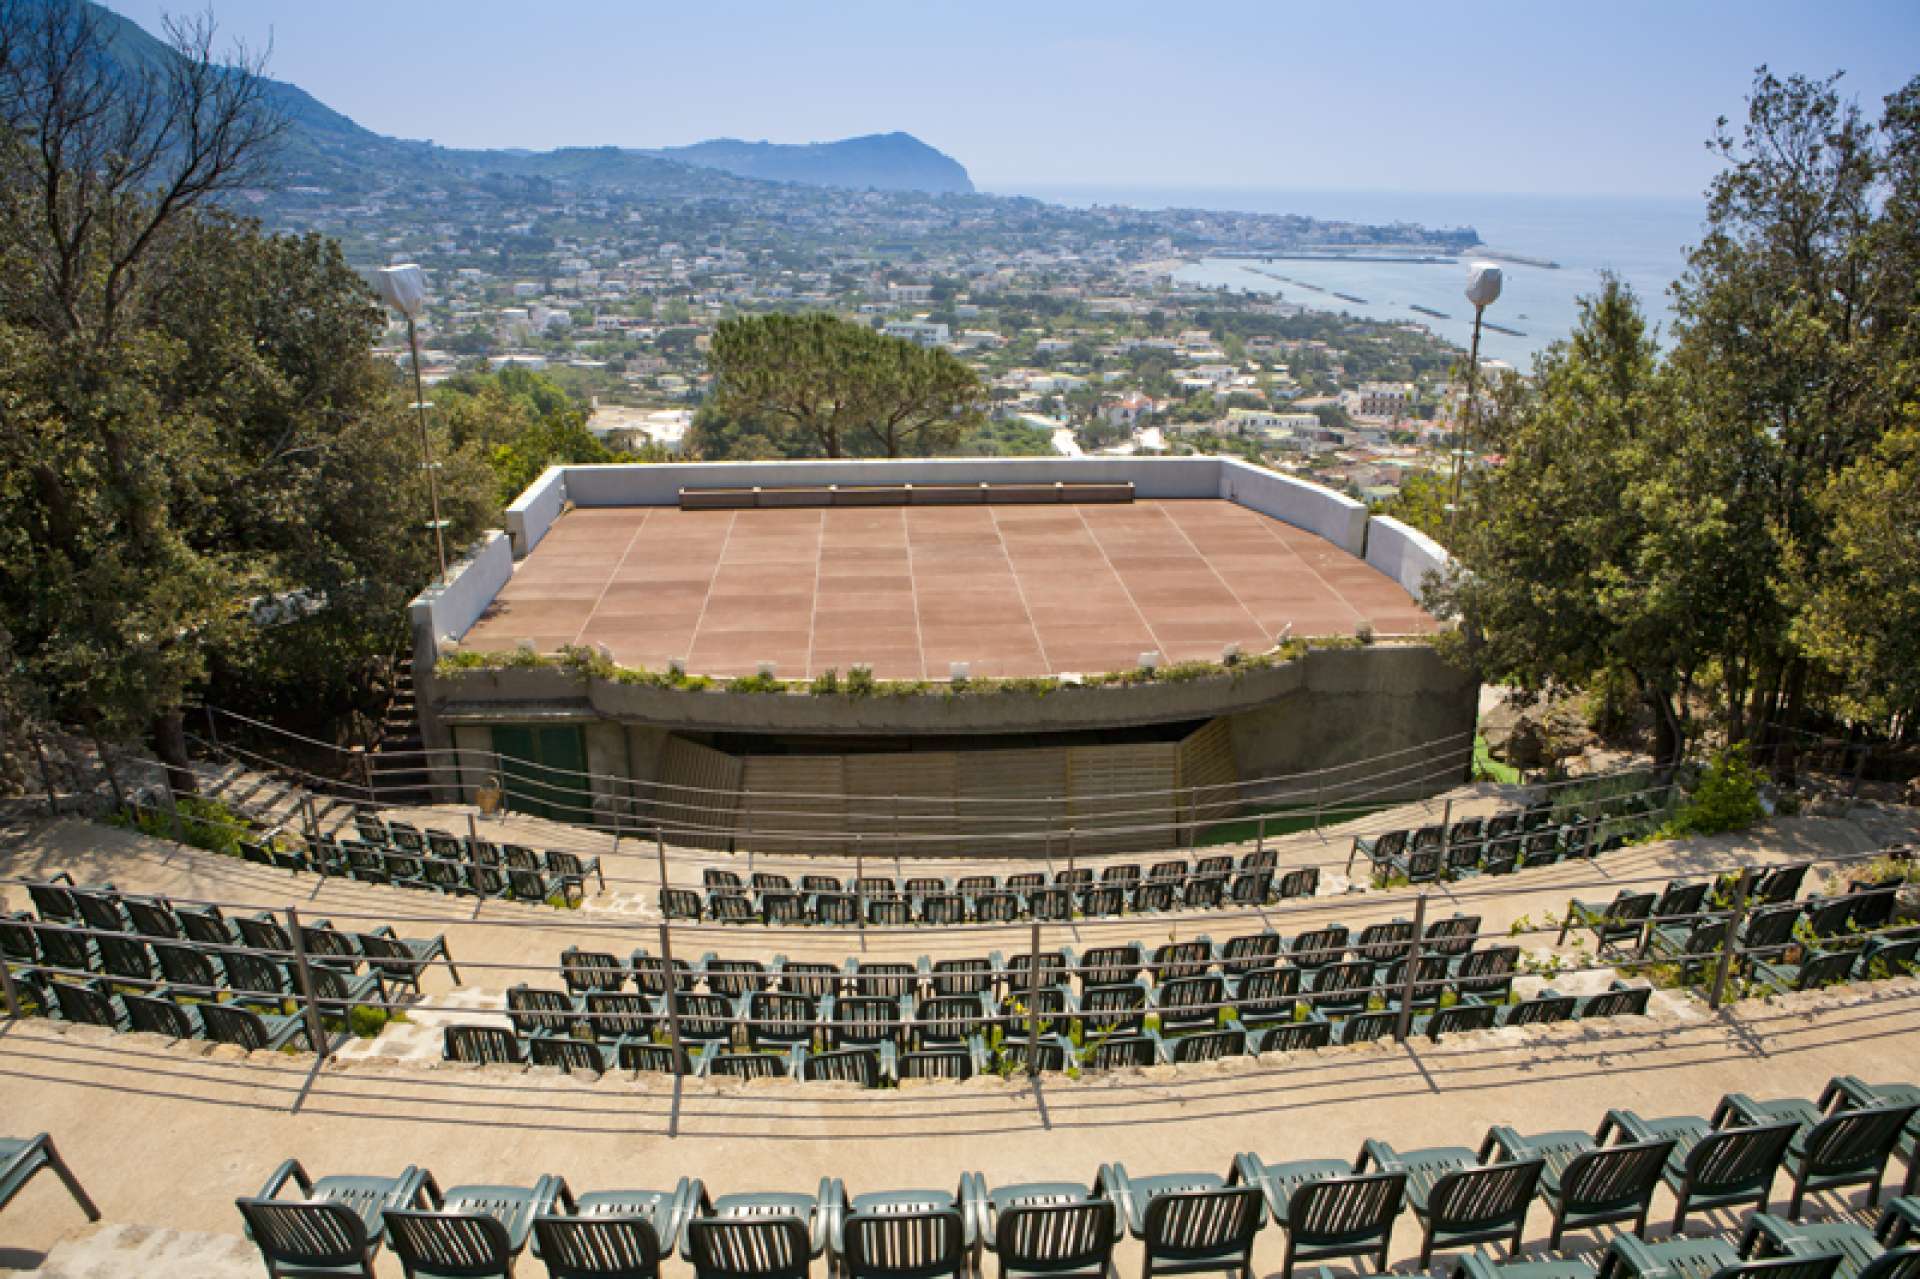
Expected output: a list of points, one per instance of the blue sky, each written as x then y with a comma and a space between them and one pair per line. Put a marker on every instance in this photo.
1608, 97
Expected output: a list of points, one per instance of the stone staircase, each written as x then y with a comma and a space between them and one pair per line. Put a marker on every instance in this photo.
396, 765
271, 799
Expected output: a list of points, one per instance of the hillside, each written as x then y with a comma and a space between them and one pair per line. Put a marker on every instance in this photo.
881, 161
324, 148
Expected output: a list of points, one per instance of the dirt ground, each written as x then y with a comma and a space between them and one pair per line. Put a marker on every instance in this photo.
165, 1136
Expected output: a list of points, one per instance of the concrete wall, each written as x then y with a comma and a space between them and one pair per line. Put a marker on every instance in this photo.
1404, 553
471, 584
1334, 516
1359, 705
659, 485
535, 510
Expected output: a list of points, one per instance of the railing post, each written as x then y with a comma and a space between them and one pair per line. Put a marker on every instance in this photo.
660, 853
673, 995
859, 893
1318, 782
1260, 840
1070, 850
311, 820
1446, 821
1403, 1024
213, 733
1734, 920
316, 1031
1033, 1005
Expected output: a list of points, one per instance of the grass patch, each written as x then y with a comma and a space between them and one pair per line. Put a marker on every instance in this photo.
1488, 769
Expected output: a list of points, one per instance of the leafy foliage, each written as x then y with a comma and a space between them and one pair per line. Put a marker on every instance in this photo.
1727, 798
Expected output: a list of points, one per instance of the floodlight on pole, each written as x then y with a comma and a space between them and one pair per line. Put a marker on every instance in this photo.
404, 288
1483, 290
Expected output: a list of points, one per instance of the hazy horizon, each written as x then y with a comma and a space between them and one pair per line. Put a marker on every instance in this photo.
1619, 99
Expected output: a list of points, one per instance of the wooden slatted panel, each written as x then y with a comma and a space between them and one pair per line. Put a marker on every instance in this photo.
712, 798
1123, 786
794, 795
1027, 789
923, 783
1207, 774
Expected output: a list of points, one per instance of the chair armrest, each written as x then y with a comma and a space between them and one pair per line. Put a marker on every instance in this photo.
1899, 1221
1375, 1151
833, 1209
290, 1170
1508, 1142
1624, 1122
1638, 1258
384, 930
430, 1190
1113, 1182
973, 1208
60, 877
822, 1225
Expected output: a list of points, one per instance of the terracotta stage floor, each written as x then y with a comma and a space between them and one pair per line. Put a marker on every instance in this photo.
1011, 590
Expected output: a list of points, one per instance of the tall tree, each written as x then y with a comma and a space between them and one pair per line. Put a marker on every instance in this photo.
841, 388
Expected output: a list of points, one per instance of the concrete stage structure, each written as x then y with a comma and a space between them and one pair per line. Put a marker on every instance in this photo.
1048, 572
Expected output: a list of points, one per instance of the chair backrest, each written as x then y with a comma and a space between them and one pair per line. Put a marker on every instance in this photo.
1345, 1211
1367, 1028
650, 973
906, 1245
87, 1005
1894, 1263
449, 1243
152, 918
1612, 1176
123, 956
1481, 1198
614, 1014
679, 903
1453, 935
1209, 1045
1114, 1052
935, 1063
533, 1011
159, 1015
255, 974
1817, 1266
1190, 1001
766, 881
1304, 882
736, 977
889, 980
597, 1247
1390, 844
714, 877
1319, 946
1121, 873
1488, 970
1461, 1018
1251, 951
1379, 943
705, 1017
1540, 1010
658, 1059
1821, 968
1782, 884
569, 1055
1180, 959
1769, 927
864, 1019
307, 1234
591, 970
893, 912
948, 1018
486, 1044
971, 976
1854, 1140
749, 1247
836, 908
783, 907
1268, 992
1069, 1238
1299, 1036
1623, 1001
1196, 1225
54, 901
231, 1025
843, 1065
1680, 899
100, 912
809, 977
1726, 1161
1110, 965
780, 1016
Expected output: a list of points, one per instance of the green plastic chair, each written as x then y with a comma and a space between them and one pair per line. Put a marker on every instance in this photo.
612, 1234
1457, 1200
467, 1232
1188, 1223
1710, 1167
1849, 1148
902, 1234
21, 1158
1586, 1184
1612, 923
1326, 1209
1045, 1230
1850, 1092
337, 1225
1684, 1258
1885, 1252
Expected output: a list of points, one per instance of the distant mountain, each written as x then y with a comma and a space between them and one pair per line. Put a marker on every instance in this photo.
881, 161
324, 147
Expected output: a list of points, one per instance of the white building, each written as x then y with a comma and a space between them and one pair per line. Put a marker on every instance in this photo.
923, 332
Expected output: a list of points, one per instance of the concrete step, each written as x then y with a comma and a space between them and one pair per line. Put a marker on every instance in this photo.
121, 1249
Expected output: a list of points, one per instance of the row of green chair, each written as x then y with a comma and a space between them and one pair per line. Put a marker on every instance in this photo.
1204, 884
1328, 1209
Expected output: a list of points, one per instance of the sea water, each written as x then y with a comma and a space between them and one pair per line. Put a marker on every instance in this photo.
1642, 240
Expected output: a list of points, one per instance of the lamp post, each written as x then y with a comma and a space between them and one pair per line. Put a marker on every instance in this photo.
404, 288
1483, 290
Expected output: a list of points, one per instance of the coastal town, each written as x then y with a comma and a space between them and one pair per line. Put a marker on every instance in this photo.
1075, 319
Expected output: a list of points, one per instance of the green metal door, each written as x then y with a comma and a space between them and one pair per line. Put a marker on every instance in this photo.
544, 770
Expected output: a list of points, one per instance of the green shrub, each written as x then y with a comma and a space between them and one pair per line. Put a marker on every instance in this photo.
825, 683
366, 1020
1728, 798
